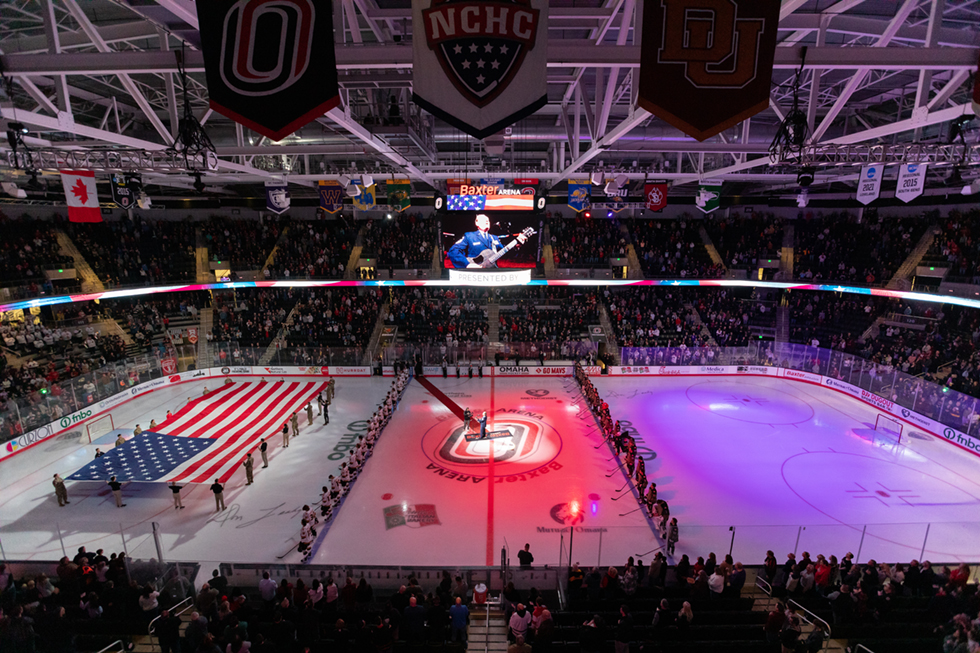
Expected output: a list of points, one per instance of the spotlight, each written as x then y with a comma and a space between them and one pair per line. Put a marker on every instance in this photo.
388, 216
803, 199
353, 190
344, 180
198, 184
609, 214
805, 178
610, 188
598, 177
367, 180
621, 181
972, 189
588, 214
11, 189
17, 127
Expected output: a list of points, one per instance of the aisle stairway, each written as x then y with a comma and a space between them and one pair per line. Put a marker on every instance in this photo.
203, 351
493, 321
782, 322
487, 630
705, 331
902, 279
612, 344
202, 261
371, 350
90, 281
788, 254
710, 246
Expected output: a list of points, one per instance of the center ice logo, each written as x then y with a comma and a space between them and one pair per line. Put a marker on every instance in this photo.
524, 444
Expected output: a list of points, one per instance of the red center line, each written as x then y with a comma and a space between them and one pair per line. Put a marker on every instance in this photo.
490, 488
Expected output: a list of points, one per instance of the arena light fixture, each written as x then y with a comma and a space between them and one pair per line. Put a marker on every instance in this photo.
598, 177
353, 190
367, 180
344, 180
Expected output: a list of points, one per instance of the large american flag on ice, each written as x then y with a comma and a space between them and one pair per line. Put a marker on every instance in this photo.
208, 438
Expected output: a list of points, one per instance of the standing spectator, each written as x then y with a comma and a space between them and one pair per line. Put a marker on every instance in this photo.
167, 629
263, 449
624, 630
294, 421
525, 557
249, 466
285, 435
459, 617
267, 589
219, 495
414, 621
519, 622
519, 646
149, 604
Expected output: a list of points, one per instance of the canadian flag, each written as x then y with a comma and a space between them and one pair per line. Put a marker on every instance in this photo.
82, 196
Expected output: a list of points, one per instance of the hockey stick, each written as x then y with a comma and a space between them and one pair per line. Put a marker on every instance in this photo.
615, 470
622, 495
623, 514
640, 555
628, 480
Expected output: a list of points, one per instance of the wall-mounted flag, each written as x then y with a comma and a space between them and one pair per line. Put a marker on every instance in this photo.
706, 65
911, 181
331, 196
655, 195
276, 197
480, 65
269, 63
869, 184
579, 194
365, 201
399, 194
82, 195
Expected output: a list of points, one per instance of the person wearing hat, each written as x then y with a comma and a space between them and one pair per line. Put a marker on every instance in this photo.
60, 491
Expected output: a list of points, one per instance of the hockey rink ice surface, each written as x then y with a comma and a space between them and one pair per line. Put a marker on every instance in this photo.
790, 466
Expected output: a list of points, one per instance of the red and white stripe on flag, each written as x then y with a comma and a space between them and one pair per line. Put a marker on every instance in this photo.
82, 196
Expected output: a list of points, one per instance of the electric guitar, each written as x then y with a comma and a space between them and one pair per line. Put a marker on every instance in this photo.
487, 258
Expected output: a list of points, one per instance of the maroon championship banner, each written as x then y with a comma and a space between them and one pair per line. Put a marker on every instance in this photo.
706, 65
655, 195
270, 63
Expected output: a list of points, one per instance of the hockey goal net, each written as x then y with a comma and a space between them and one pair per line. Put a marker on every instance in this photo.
889, 426
98, 427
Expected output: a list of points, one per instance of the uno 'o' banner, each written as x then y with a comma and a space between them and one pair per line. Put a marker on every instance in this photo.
270, 63
480, 65
706, 65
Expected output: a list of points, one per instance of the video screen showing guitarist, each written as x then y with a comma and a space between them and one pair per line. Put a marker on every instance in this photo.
480, 248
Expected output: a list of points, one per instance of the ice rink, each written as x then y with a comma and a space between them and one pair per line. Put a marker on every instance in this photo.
750, 463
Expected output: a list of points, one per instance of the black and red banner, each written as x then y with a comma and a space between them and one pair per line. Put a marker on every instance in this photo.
655, 196
706, 65
270, 63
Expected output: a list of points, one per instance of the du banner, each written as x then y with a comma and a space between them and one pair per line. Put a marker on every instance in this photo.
706, 65
709, 197
399, 194
911, 181
276, 197
122, 194
869, 184
579, 194
480, 65
366, 200
976, 89
331, 196
269, 63
655, 196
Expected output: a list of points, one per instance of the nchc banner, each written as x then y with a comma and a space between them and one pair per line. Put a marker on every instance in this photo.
269, 63
331, 196
706, 65
399, 194
276, 197
480, 65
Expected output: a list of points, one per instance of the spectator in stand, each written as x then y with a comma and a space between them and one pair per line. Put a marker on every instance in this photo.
585, 242
405, 240
673, 249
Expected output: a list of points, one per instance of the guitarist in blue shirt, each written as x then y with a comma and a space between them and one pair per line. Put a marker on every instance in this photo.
475, 243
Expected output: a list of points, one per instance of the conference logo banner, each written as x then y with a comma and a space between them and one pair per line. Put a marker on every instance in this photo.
122, 195
911, 181
976, 89
579, 194
331, 196
366, 200
480, 65
399, 194
869, 184
706, 65
655, 195
269, 64
276, 197
709, 197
